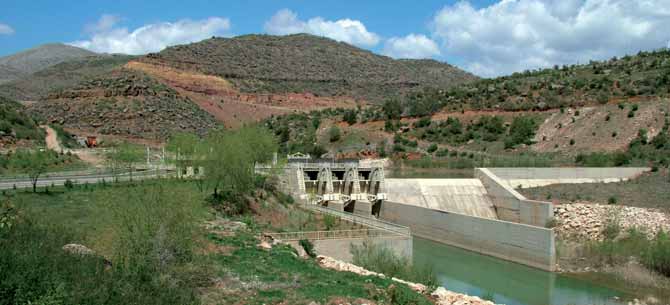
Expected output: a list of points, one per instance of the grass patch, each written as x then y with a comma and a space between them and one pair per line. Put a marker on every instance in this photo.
302, 280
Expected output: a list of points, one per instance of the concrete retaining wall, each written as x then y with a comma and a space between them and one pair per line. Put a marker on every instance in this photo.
534, 177
512, 206
341, 248
528, 245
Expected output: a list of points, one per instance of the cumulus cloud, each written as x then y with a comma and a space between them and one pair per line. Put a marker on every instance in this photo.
6, 29
108, 38
286, 22
513, 35
411, 46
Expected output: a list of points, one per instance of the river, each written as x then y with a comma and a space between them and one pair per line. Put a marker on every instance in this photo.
505, 282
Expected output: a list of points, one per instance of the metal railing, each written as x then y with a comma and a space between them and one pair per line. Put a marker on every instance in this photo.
358, 219
336, 234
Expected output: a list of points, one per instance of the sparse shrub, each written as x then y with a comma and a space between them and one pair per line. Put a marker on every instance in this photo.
329, 221
631, 114
612, 229
551, 223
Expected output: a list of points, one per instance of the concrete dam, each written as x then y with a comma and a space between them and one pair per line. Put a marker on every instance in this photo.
484, 214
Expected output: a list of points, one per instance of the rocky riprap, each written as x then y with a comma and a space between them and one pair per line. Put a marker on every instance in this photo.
441, 296
125, 103
587, 221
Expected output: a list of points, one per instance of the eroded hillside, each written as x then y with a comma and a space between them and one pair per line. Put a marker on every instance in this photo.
228, 105
127, 103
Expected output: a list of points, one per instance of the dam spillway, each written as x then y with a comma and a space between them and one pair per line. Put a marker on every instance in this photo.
463, 196
485, 214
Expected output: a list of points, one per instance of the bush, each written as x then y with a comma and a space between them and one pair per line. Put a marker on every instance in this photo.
334, 134
442, 152
68, 184
612, 200
381, 259
432, 148
657, 255
521, 131
350, 116
153, 243
612, 229
308, 247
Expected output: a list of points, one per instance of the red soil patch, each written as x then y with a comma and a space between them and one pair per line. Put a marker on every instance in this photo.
217, 96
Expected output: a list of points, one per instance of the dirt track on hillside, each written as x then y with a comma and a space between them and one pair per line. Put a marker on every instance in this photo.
52, 139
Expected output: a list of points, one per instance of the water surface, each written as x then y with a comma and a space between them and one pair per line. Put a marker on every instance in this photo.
506, 282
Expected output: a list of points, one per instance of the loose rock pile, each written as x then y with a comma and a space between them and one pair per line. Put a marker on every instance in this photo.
442, 296
587, 221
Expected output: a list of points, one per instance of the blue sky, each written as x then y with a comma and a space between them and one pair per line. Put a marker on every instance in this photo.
488, 38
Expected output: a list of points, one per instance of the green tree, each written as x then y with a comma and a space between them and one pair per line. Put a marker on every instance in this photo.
33, 163
392, 109
230, 156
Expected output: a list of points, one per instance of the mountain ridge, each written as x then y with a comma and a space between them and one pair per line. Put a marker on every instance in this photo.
38, 58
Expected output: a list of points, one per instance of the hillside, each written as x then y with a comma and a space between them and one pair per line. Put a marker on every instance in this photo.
36, 86
629, 78
16, 127
30, 61
305, 63
124, 103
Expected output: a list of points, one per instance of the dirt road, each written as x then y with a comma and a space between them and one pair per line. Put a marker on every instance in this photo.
52, 139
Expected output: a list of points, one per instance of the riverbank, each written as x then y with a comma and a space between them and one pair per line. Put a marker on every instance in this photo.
620, 247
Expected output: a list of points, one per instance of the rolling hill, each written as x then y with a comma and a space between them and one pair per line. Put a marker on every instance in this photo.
305, 63
38, 85
30, 61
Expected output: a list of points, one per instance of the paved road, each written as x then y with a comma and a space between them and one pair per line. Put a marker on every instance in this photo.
6, 184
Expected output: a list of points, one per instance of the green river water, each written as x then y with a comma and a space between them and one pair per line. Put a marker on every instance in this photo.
506, 282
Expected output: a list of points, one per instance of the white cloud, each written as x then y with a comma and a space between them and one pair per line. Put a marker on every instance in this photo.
411, 46
150, 38
6, 29
286, 22
105, 23
513, 35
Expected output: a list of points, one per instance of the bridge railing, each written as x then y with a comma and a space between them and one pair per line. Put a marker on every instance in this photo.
364, 220
335, 234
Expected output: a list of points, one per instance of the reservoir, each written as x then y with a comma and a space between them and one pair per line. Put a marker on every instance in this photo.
505, 282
